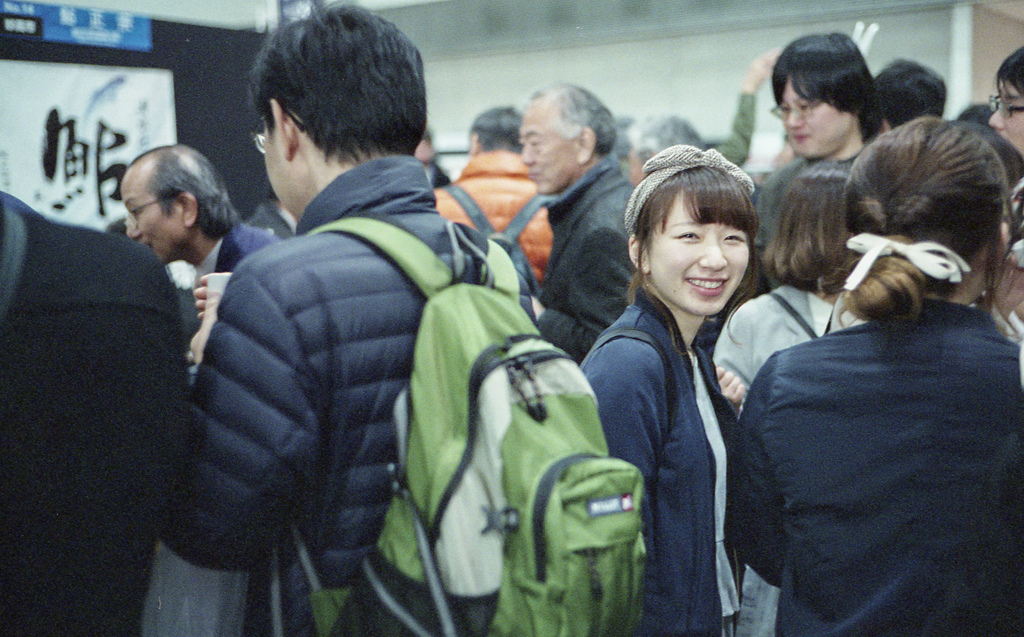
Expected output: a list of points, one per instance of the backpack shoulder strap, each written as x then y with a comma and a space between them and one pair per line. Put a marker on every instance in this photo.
796, 315
477, 215
640, 335
419, 262
406, 250
525, 216
12, 257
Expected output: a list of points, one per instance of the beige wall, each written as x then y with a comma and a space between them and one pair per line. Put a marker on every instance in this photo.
996, 35
695, 76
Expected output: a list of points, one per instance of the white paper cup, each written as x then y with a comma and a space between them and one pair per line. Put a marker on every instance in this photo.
217, 281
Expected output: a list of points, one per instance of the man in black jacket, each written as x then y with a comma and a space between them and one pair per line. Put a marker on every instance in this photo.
567, 135
94, 420
828, 103
315, 334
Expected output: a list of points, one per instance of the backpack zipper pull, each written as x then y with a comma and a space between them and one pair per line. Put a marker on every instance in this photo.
511, 519
504, 521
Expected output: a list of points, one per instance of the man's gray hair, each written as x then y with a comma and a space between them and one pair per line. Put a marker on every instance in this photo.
181, 169
656, 133
579, 108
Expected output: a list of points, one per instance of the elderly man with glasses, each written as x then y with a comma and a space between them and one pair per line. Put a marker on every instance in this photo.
178, 205
568, 135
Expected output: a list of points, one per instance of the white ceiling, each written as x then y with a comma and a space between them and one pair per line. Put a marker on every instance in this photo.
374, 5
246, 13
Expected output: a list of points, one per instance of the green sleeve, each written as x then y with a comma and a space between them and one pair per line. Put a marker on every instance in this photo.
737, 147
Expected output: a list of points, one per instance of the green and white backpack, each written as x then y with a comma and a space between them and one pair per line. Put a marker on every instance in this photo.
509, 517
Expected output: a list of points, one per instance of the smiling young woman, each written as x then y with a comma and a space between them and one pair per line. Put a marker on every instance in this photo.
690, 223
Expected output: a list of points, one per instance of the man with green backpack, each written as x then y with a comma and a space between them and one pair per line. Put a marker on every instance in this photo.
385, 444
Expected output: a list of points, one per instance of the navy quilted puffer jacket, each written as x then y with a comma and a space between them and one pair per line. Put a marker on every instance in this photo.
294, 397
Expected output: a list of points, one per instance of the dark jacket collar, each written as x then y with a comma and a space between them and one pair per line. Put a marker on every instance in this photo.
936, 313
933, 312
390, 185
955, 313
643, 301
568, 199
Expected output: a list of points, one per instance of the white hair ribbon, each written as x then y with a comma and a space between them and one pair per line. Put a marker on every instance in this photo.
934, 259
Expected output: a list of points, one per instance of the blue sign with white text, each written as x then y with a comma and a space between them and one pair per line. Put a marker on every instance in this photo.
75, 25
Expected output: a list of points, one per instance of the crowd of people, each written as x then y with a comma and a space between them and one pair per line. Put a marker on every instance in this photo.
826, 405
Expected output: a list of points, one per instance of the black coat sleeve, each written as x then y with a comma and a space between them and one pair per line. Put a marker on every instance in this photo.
760, 538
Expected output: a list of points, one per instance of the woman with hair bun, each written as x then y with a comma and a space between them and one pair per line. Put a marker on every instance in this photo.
691, 224
862, 456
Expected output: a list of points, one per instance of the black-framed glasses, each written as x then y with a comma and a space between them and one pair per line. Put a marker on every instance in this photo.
996, 103
260, 140
803, 111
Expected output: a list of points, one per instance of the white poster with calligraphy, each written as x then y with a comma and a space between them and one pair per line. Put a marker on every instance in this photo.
68, 131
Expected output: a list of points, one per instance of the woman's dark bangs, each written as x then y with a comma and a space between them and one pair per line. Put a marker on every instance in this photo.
721, 200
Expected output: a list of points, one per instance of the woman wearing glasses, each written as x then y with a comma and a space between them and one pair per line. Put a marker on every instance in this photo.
1008, 104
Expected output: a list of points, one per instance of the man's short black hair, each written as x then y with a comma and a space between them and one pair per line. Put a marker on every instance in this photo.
352, 80
830, 68
979, 113
1011, 71
907, 90
498, 129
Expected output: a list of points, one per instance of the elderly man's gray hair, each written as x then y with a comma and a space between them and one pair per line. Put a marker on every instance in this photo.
579, 108
656, 133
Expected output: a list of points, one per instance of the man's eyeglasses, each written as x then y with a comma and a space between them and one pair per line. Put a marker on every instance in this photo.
260, 139
134, 212
261, 142
997, 103
803, 111
131, 220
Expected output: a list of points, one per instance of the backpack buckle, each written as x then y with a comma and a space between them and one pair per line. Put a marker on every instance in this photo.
522, 376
